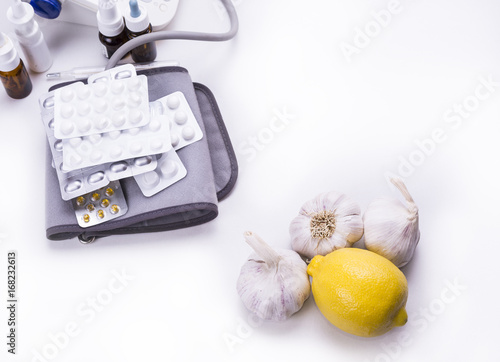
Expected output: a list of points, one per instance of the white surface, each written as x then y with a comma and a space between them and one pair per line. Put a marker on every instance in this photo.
352, 122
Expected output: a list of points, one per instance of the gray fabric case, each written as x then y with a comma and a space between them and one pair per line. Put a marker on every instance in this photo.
211, 165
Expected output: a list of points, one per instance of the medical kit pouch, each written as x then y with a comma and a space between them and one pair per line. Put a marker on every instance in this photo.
109, 170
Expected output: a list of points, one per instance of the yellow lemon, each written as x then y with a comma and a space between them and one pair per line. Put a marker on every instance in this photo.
359, 291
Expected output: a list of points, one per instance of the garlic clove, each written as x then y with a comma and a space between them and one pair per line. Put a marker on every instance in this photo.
273, 284
326, 223
392, 228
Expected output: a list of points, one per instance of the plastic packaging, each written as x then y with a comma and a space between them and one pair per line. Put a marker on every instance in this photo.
184, 129
78, 182
15, 77
112, 32
99, 206
137, 23
169, 170
83, 110
29, 35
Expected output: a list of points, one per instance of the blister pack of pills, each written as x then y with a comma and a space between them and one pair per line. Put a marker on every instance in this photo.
169, 170
154, 138
184, 129
81, 181
96, 108
104, 204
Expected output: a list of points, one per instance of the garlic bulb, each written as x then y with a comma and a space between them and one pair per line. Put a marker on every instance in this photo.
391, 228
272, 284
326, 223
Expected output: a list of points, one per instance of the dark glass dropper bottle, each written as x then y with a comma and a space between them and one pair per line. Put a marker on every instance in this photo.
137, 23
112, 33
13, 73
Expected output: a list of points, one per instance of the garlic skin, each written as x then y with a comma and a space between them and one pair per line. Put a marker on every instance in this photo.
272, 284
391, 228
326, 223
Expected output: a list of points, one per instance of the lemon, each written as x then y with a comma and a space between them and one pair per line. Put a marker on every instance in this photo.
359, 291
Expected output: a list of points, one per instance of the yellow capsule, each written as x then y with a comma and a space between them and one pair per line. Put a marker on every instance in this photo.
109, 192
100, 214
86, 218
114, 209
95, 196
105, 203
90, 207
80, 201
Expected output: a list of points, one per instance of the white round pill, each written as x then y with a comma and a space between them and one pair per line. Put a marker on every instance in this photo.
156, 144
119, 119
188, 133
116, 151
100, 105
83, 108
134, 99
67, 94
173, 102
180, 117
100, 89
73, 160
174, 139
150, 179
95, 156
117, 87
84, 125
118, 104
169, 168
83, 92
135, 116
134, 131
67, 111
67, 127
154, 125
114, 134
75, 141
95, 138
102, 123
134, 84
135, 148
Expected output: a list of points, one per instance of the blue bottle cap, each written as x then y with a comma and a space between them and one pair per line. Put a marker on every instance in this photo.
48, 9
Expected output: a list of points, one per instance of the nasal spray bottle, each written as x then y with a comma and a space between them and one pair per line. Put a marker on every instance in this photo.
29, 35
112, 32
137, 23
15, 77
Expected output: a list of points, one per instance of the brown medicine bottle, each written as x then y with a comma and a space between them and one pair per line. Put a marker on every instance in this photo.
137, 24
13, 73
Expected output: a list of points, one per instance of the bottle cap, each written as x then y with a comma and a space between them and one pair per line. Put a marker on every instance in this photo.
9, 59
109, 18
48, 9
21, 14
136, 18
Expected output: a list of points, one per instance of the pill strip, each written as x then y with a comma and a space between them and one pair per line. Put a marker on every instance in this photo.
170, 170
121, 72
104, 204
86, 109
78, 182
184, 129
113, 146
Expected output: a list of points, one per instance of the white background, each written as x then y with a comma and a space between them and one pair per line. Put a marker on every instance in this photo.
353, 121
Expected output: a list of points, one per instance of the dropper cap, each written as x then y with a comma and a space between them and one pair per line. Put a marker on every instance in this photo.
22, 15
136, 18
9, 59
109, 20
